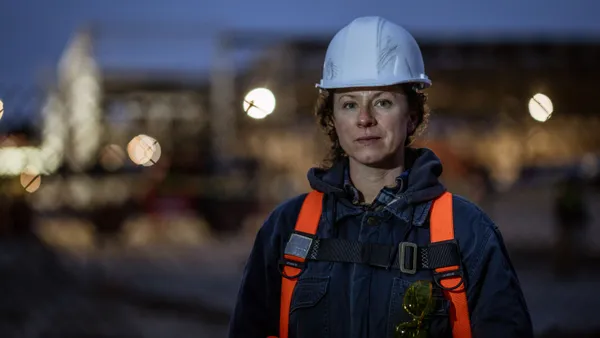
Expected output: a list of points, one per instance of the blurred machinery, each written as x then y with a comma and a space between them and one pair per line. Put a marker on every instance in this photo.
118, 141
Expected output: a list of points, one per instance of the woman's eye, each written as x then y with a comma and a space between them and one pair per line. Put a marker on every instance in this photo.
349, 105
383, 103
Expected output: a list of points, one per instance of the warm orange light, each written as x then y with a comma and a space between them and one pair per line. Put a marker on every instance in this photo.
144, 150
31, 179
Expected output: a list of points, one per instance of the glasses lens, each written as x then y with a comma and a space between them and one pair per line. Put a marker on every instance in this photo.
410, 330
418, 299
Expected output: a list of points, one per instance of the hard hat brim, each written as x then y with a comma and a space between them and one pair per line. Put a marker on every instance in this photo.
423, 83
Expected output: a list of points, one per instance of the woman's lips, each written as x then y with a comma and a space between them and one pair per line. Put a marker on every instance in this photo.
368, 140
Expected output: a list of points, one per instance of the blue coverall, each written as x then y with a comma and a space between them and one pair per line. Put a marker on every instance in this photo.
349, 300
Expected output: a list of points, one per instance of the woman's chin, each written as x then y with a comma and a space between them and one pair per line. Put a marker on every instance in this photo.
371, 158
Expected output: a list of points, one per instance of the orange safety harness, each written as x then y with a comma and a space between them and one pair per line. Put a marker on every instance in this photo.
448, 277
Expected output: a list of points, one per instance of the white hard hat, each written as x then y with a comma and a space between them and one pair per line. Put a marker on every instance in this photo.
372, 51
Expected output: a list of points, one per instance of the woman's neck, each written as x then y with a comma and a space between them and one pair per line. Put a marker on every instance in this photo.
369, 181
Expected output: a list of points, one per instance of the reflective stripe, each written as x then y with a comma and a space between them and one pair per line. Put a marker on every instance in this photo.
442, 229
307, 222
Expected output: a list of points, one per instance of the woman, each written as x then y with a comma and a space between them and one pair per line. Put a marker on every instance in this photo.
378, 194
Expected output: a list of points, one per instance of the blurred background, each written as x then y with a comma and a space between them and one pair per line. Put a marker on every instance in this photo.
143, 143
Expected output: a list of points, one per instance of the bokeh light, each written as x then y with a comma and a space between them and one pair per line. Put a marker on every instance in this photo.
144, 150
31, 179
112, 157
259, 103
540, 107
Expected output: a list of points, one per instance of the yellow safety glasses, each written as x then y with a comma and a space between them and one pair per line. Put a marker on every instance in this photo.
418, 303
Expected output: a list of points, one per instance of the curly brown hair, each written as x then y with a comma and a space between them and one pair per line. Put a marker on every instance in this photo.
417, 102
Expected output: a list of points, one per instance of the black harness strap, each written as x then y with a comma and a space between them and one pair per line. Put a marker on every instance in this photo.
407, 256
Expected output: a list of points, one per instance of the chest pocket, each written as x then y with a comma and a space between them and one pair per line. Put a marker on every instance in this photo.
309, 309
438, 322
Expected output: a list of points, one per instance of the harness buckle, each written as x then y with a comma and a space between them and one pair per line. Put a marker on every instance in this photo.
446, 272
295, 253
298, 246
439, 276
412, 269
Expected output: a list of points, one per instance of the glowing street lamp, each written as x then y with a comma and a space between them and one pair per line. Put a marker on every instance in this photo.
540, 107
259, 103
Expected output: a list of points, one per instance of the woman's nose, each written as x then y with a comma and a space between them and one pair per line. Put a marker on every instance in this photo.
365, 118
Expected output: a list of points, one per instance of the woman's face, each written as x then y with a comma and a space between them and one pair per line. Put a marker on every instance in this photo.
372, 124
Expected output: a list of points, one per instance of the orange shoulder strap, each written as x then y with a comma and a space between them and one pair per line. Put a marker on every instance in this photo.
442, 229
307, 222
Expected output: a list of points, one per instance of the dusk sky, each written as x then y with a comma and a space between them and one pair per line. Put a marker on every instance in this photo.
33, 33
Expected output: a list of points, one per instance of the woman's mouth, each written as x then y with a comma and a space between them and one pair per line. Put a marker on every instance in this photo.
367, 140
